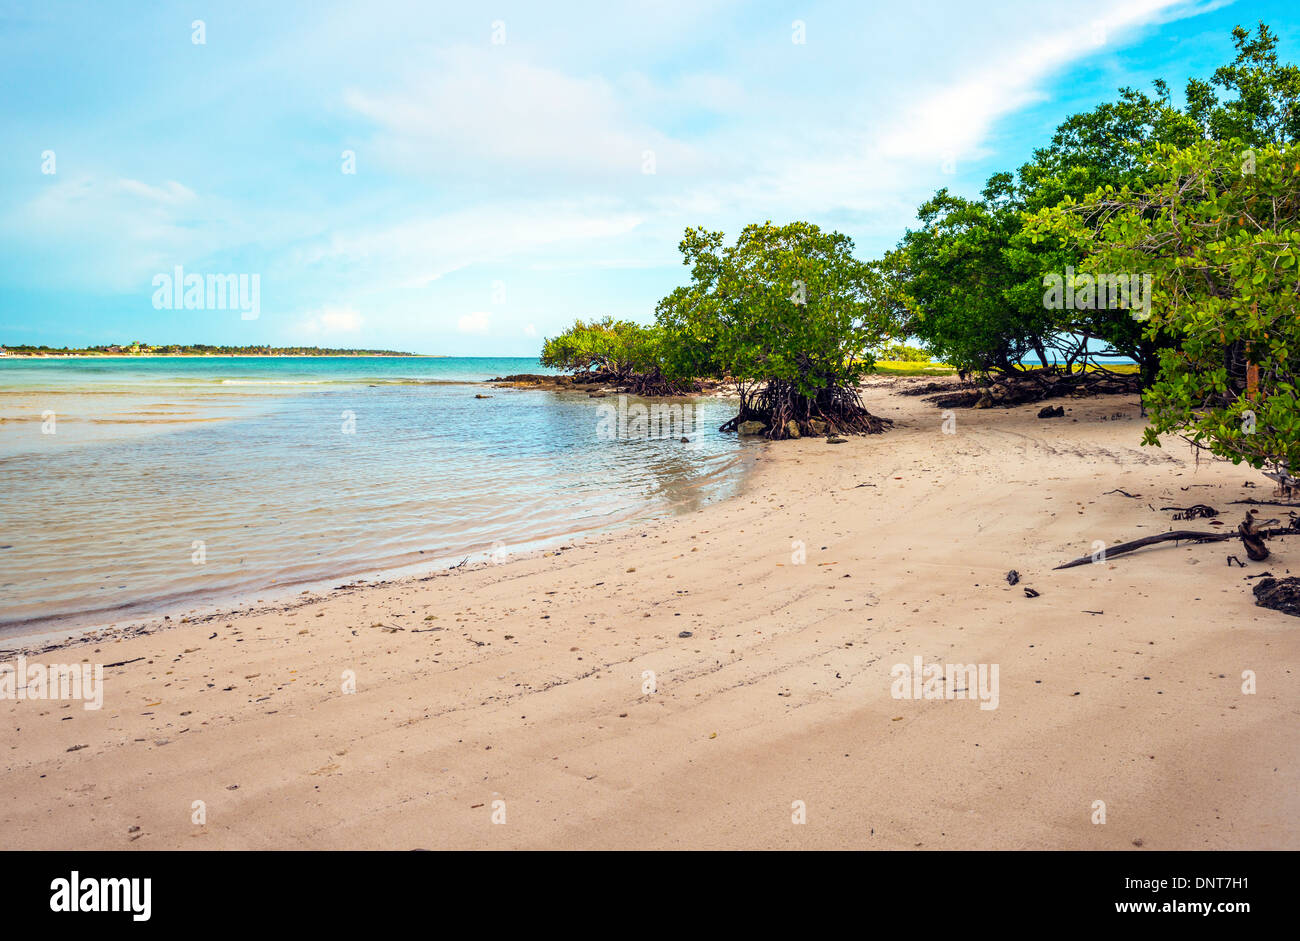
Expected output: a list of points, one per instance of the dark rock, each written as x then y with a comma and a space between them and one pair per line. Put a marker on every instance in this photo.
1049, 412
1280, 594
685, 634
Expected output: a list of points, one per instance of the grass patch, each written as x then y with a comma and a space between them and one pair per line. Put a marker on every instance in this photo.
899, 368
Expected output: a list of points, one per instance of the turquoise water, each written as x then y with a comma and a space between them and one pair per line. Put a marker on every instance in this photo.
196, 371
134, 486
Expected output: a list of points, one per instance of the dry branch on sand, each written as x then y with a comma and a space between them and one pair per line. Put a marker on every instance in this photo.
1252, 538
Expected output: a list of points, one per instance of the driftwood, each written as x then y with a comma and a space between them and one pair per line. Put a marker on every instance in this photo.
1251, 538
1195, 511
1177, 535
122, 663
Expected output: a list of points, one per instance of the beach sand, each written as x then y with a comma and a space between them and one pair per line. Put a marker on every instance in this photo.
526, 686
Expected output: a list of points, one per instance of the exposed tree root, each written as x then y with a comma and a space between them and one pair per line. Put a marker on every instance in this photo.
644, 384
1013, 389
779, 406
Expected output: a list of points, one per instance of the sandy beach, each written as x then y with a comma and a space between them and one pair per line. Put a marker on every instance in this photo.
525, 683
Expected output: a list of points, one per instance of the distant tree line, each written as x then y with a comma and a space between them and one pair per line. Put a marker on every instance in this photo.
198, 349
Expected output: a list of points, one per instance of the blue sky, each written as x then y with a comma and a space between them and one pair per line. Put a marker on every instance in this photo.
501, 153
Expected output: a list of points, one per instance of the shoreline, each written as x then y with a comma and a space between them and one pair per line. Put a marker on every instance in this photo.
142, 617
27, 638
525, 682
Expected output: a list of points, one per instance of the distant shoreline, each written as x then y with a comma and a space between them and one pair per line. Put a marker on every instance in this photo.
82, 355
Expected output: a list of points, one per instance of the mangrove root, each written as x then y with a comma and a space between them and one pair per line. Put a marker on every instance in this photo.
787, 414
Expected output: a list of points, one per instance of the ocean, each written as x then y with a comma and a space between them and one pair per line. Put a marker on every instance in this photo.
134, 486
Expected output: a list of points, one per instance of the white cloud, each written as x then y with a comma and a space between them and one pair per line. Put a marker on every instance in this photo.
113, 233
417, 252
765, 140
170, 193
470, 108
956, 119
477, 322
530, 330
331, 320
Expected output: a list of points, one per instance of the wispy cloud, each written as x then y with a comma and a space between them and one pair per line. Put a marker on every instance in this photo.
481, 109
477, 322
566, 161
331, 320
